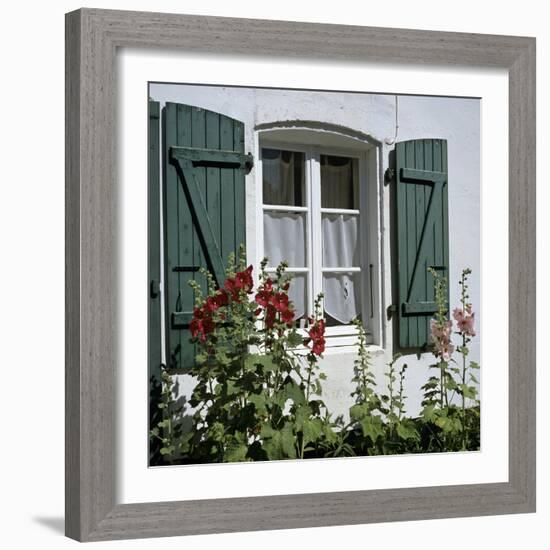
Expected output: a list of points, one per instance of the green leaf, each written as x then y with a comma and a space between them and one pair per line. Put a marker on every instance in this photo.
294, 392
167, 450
237, 449
278, 444
259, 400
356, 412
254, 359
429, 414
372, 427
312, 430
468, 391
406, 430
294, 339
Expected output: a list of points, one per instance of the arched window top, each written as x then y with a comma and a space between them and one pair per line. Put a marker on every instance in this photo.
315, 133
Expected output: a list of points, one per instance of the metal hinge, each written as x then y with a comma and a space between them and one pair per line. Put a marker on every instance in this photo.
391, 311
389, 176
154, 289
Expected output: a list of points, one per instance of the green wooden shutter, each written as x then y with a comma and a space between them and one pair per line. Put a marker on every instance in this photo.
204, 211
153, 252
422, 233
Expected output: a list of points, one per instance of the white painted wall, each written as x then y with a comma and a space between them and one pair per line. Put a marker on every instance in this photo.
455, 119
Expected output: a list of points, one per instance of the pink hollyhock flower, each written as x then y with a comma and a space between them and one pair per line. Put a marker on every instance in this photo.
441, 339
465, 320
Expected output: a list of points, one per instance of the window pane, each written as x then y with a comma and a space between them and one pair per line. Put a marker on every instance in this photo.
283, 177
342, 293
340, 242
339, 182
297, 294
284, 238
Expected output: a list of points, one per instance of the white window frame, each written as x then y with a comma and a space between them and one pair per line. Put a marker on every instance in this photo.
367, 155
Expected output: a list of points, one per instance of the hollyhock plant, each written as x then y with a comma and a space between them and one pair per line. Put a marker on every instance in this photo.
464, 317
253, 376
258, 381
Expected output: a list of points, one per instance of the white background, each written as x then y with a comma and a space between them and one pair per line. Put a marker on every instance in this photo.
31, 234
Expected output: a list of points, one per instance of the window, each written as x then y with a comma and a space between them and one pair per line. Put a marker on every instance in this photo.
314, 216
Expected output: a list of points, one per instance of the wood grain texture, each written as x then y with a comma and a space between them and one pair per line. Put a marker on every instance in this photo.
92, 37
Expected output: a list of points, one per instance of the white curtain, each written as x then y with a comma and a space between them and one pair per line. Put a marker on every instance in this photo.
280, 169
284, 238
342, 295
297, 294
340, 245
337, 182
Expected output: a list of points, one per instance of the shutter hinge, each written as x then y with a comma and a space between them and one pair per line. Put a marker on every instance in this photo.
389, 176
154, 289
391, 311
248, 163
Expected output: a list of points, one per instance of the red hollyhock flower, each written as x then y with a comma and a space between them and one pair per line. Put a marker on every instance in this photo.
268, 285
317, 330
262, 298
231, 286
280, 301
270, 316
194, 327
198, 313
316, 336
287, 316
243, 279
211, 304
200, 328
208, 325
221, 298
318, 346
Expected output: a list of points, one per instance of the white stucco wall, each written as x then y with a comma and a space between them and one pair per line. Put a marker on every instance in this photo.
454, 119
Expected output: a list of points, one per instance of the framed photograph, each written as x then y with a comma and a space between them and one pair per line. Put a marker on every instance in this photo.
300, 275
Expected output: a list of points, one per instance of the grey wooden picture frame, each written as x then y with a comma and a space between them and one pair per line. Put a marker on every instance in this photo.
92, 39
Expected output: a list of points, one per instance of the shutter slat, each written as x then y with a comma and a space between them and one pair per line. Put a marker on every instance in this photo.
171, 234
186, 244
422, 234
418, 291
198, 139
153, 260
411, 238
239, 189
227, 189
213, 203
